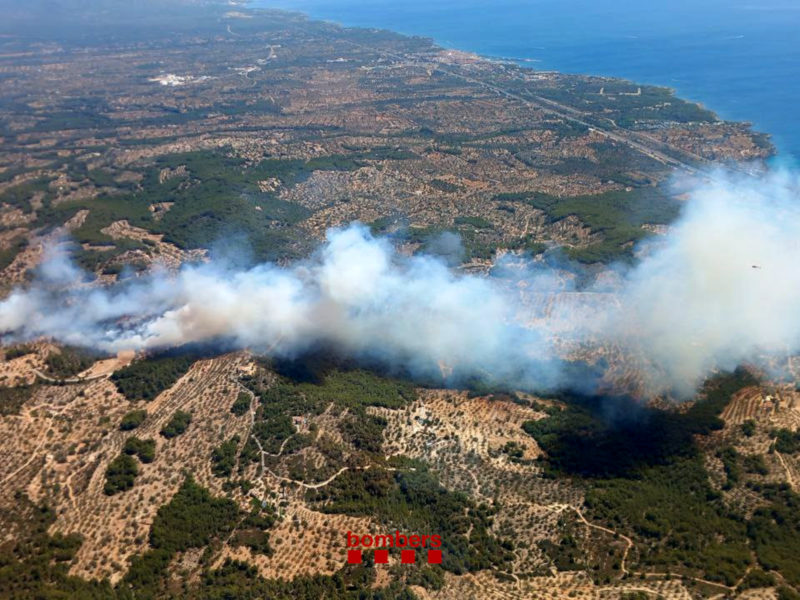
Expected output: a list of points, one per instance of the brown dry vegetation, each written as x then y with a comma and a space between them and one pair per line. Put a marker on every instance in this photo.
57, 448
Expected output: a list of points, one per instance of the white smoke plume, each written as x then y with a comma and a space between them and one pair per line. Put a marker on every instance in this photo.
356, 295
721, 288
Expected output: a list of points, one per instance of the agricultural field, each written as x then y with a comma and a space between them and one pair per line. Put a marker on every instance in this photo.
526, 509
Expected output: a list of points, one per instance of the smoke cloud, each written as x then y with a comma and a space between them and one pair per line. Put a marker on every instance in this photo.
722, 287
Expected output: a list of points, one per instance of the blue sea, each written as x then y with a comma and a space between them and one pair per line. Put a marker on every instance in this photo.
740, 58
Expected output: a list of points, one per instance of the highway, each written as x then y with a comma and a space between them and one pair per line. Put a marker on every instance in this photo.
643, 143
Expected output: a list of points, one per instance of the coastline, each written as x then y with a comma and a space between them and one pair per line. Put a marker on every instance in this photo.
765, 139
778, 154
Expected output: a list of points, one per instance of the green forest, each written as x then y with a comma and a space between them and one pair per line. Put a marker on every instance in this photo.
644, 475
146, 378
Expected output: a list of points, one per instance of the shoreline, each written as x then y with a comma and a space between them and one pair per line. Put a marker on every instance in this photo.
776, 154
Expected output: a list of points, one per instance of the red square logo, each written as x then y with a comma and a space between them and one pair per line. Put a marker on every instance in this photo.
408, 557
354, 557
382, 556
434, 557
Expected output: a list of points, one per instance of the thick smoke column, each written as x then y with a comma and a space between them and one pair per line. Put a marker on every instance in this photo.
721, 288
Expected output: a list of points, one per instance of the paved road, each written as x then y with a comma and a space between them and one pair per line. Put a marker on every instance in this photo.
641, 142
